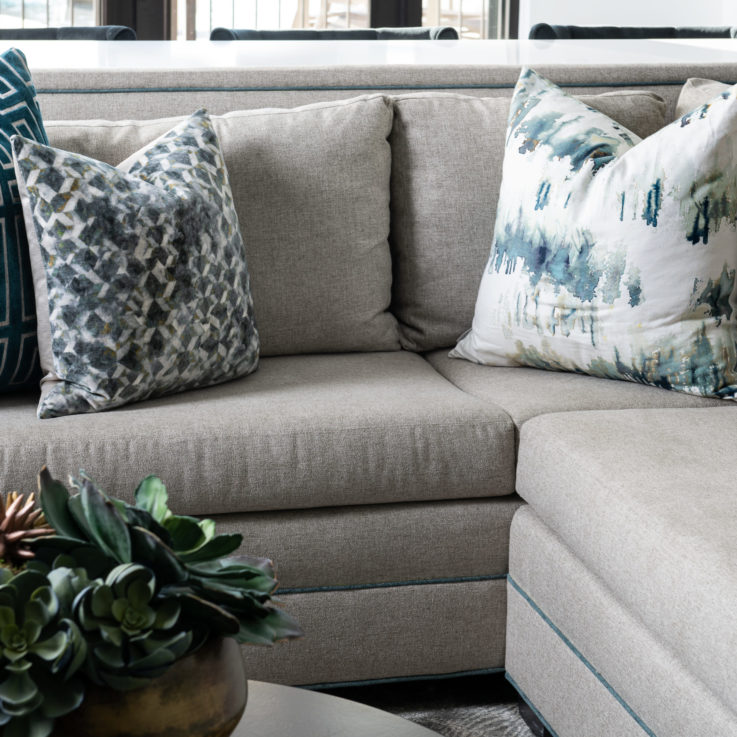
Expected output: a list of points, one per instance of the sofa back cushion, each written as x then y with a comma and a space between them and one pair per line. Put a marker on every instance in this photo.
447, 152
311, 189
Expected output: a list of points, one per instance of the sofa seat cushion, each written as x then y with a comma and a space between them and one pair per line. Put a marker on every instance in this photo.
645, 498
527, 392
302, 431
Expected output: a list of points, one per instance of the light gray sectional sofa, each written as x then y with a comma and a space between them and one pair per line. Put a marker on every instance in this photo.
428, 516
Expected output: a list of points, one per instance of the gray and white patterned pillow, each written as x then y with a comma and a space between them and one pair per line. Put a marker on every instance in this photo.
142, 287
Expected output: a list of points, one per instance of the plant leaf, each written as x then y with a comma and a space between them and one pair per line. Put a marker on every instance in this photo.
53, 497
109, 655
51, 648
151, 496
208, 528
106, 525
150, 550
250, 561
74, 505
237, 581
32, 725
112, 634
19, 710
25, 583
141, 518
7, 616
255, 632
43, 605
167, 614
83, 553
284, 626
201, 611
159, 658
32, 629
101, 601
18, 688
60, 697
217, 547
93, 560
139, 592
77, 651
185, 533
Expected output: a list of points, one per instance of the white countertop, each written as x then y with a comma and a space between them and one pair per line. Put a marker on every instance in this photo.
163, 55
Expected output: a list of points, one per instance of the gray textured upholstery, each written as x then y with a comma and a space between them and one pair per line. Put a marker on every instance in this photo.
560, 592
311, 189
645, 499
301, 432
447, 153
370, 476
388, 632
697, 92
135, 94
527, 392
553, 679
397, 542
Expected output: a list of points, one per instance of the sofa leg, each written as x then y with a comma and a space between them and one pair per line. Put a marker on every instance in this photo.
531, 720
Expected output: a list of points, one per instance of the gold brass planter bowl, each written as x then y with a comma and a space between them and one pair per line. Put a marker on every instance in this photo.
202, 695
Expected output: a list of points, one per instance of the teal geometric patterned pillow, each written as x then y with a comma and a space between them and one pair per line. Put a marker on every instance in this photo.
613, 256
140, 273
19, 114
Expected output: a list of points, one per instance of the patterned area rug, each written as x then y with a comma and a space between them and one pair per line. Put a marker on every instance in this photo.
477, 706
496, 720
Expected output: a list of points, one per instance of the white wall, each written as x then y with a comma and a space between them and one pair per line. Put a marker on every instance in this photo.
627, 13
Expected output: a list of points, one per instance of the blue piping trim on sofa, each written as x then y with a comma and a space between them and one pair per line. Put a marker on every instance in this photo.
391, 584
532, 706
580, 656
404, 679
344, 88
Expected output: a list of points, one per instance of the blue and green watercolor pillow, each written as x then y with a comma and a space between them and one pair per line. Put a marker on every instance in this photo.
140, 275
613, 256
19, 114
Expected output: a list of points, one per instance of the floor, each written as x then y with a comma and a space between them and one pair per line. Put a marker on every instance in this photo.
474, 706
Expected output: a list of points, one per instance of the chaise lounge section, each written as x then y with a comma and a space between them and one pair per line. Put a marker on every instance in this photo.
621, 572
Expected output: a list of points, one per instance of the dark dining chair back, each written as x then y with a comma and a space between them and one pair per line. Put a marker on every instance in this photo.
548, 32
333, 34
69, 33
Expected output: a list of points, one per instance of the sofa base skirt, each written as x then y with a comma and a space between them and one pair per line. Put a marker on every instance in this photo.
367, 634
584, 663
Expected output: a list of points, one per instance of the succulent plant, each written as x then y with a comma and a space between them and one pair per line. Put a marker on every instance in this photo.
41, 651
232, 594
217, 595
116, 593
134, 631
20, 522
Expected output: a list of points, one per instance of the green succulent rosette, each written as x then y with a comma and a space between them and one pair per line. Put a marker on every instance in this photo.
42, 651
132, 631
